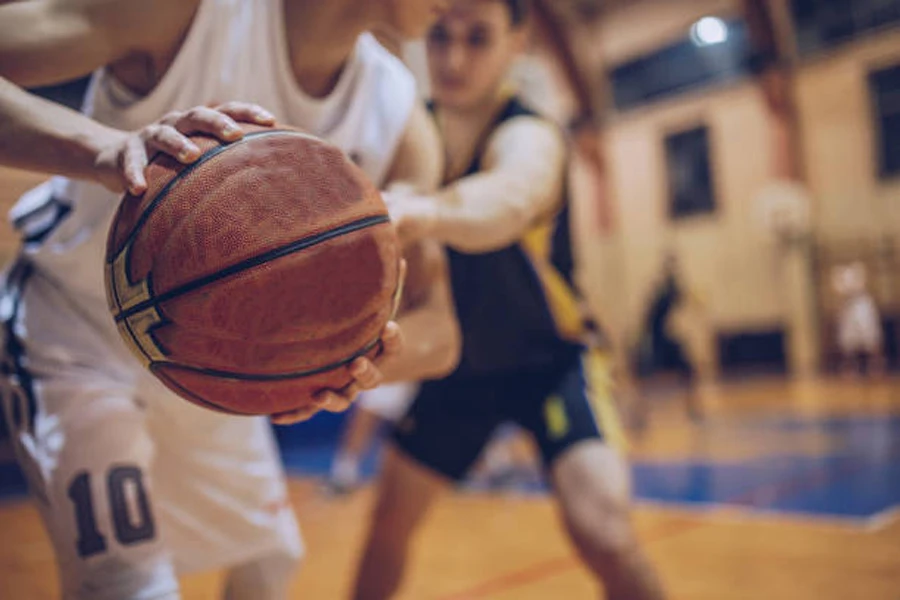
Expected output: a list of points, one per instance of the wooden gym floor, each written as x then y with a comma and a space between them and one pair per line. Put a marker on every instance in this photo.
787, 491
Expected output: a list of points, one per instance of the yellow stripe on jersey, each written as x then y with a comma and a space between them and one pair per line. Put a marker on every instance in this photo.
597, 368
560, 298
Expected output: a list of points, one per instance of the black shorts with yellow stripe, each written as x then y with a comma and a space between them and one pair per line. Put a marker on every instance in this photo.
451, 420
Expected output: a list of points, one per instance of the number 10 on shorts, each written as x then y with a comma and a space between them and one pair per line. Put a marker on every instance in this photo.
128, 504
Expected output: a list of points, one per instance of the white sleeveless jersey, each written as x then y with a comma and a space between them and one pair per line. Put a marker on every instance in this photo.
234, 50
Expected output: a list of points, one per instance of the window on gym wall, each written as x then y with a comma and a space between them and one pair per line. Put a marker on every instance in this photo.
885, 87
821, 24
691, 188
715, 51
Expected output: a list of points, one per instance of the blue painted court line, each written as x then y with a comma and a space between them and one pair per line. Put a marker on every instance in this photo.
856, 474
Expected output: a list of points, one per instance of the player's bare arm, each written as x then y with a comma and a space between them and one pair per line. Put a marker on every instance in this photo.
427, 317
39, 135
418, 163
49, 41
521, 181
423, 343
431, 338
408, 352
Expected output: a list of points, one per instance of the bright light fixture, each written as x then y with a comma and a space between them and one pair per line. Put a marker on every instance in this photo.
709, 31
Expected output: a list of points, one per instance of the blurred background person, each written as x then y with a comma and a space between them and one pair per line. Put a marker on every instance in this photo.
859, 332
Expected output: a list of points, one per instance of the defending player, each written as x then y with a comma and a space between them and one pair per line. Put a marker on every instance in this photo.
502, 212
131, 481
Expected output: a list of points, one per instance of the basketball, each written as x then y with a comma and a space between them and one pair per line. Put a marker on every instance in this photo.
248, 280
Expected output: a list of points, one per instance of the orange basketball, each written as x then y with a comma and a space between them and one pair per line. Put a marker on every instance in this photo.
247, 281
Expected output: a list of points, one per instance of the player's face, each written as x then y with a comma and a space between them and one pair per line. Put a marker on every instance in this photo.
412, 18
469, 52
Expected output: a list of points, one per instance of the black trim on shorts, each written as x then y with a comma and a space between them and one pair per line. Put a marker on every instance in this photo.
55, 208
12, 366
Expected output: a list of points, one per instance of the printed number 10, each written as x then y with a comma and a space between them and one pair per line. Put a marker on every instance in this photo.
90, 540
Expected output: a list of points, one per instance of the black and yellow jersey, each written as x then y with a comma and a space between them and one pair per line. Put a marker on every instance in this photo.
516, 306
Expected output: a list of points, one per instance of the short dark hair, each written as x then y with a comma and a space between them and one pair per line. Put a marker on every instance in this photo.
518, 10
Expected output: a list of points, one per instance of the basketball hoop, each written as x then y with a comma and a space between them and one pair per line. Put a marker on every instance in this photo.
783, 211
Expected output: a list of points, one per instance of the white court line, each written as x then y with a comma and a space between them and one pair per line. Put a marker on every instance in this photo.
736, 513
880, 520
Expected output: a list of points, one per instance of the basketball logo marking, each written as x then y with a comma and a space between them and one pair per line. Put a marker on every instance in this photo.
134, 328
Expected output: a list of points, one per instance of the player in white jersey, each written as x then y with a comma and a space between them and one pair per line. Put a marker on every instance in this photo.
859, 334
133, 483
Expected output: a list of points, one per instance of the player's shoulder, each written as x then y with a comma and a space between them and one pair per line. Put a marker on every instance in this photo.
378, 60
519, 115
371, 50
385, 83
122, 10
137, 19
519, 124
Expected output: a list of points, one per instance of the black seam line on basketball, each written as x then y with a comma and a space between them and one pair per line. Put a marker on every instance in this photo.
192, 397
269, 377
293, 247
205, 157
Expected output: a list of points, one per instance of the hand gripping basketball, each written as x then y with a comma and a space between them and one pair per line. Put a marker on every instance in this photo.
120, 165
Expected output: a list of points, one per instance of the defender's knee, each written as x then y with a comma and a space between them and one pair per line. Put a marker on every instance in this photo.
601, 528
592, 483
